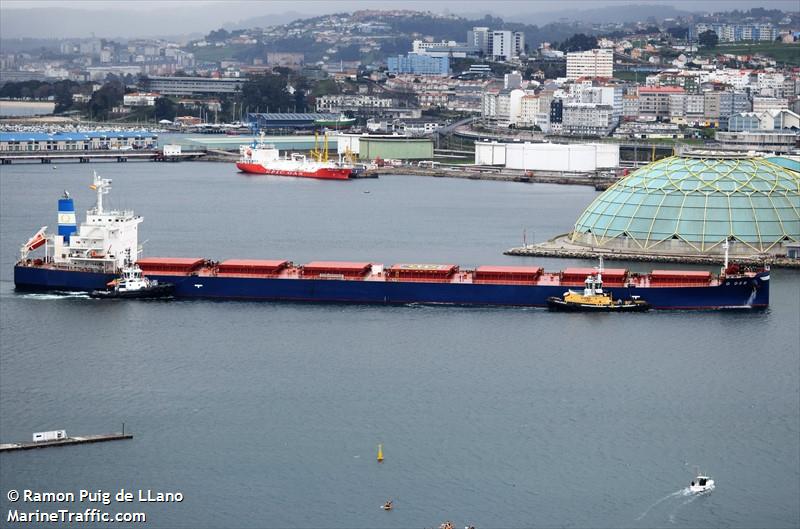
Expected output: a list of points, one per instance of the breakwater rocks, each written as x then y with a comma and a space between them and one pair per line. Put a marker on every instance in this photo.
545, 250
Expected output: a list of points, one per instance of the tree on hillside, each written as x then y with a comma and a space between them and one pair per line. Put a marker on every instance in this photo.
579, 42
266, 92
62, 91
219, 35
165, 109
106, 98
678, 32
301, 90
708, 39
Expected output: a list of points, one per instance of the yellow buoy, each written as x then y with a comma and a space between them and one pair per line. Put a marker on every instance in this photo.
380, 453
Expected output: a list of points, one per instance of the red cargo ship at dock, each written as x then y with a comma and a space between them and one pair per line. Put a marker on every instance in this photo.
262, 158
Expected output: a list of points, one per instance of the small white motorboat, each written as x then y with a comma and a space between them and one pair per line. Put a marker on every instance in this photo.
701, 484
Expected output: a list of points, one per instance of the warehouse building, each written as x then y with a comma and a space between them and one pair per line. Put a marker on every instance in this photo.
289, 120
385, 146
76, 141
185, 86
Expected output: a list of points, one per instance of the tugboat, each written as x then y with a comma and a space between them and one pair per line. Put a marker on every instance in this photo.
134, 285
593, 299
701, 484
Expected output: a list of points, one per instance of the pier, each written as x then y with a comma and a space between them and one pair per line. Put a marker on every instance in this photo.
8, 447
8, 157
500, 175
561, 247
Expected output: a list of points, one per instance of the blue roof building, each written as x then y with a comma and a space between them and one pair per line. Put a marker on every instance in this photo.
417, 64
85, 141
287, 120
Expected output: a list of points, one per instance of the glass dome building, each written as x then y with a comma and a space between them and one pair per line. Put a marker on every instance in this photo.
690, 204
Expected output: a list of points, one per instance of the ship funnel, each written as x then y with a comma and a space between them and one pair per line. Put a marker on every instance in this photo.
66, 217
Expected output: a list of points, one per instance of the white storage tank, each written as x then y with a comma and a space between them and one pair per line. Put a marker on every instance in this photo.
490, 153
52, 435
346, 142
581, 157
607, 155
575, 157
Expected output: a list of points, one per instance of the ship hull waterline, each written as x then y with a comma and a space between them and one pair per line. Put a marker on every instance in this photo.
731, 293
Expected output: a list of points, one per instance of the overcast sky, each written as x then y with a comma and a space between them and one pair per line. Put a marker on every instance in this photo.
314, 7
60, 18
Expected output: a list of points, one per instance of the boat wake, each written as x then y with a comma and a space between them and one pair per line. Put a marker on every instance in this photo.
677, 494
674, 502
687, 501
56, 295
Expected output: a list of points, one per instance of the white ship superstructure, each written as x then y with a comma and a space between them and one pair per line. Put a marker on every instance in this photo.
104, 242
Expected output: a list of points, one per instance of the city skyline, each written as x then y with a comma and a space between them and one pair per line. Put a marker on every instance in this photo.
55, 19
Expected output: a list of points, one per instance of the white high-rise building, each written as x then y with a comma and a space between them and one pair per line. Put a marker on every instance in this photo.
481, 38
507, 44
591, 63
512, 80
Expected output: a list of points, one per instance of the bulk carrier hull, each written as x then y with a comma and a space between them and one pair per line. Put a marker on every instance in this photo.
88, 257
736, 292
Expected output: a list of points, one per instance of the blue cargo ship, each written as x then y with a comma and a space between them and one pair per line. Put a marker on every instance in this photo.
88, 257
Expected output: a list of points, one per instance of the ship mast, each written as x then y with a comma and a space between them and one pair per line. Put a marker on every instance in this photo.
726, 246
102, 186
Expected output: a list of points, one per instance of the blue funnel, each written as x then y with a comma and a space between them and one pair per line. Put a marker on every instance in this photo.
66, 217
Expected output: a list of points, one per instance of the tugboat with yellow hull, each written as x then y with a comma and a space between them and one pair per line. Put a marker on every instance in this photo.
593, 299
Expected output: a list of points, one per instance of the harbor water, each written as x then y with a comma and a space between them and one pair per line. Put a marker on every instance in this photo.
25, 108
269, 414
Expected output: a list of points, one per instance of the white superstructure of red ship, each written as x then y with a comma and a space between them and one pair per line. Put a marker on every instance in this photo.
262, 158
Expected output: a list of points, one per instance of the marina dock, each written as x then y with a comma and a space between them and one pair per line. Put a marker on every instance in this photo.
8, 157
8, 447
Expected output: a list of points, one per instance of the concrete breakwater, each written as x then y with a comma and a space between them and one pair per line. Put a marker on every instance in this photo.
549, 249
498, 176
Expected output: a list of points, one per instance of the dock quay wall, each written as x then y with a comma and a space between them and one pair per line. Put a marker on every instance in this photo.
548, 249
498, 176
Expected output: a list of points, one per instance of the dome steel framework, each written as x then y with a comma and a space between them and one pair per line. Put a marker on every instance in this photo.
693, 203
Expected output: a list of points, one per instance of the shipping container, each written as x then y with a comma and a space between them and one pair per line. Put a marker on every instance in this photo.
52, 435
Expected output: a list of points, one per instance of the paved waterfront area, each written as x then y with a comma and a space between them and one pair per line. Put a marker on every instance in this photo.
562, 246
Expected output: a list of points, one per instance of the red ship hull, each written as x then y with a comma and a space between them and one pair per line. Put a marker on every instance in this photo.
325, 173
